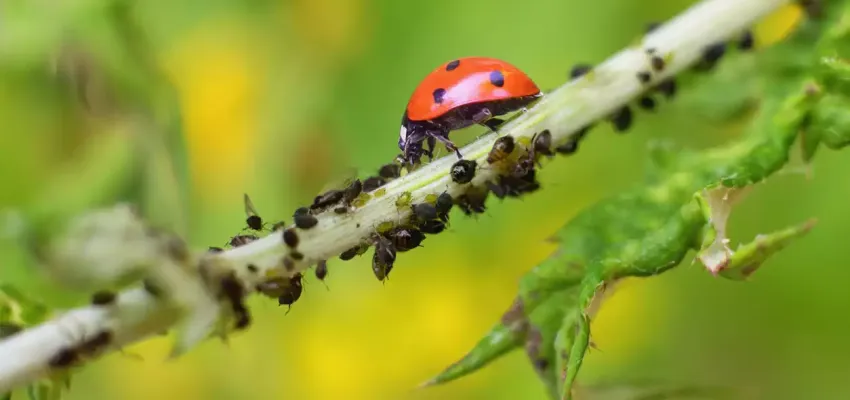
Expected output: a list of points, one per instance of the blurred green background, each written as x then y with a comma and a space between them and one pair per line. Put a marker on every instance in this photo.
279, 97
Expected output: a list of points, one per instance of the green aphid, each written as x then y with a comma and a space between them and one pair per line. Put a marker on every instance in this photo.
403, 200
380, 192
361, 200
384, 227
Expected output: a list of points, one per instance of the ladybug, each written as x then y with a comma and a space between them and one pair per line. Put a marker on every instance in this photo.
458, 94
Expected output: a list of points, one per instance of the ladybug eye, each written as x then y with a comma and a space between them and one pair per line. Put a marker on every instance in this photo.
497, 79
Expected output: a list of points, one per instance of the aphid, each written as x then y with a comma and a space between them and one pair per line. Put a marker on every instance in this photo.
380, 192
502, 148
444, 204
361, 199
241, 240
622, 119
747, 40
235, 293
498, 190
514, 186
103, 298
652, 26
390, 171
384, 227
472, 202
373, 183
432, 227
327, 199
425, 211
8, 329
215, 249
352, 252
644, 77
253, 220
667, 87
463, 171
568, 147
711, 55
542, 143
405, 238
341, 210
647, 103
383, 258
403, 200
64, 358
288, 263
292, 292
290, 238
458, 94
321, 270
352, 191
278, 225
657, 62
305, 221
579, 70
95, 344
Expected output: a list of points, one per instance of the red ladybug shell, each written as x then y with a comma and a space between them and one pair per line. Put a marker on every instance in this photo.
466, 81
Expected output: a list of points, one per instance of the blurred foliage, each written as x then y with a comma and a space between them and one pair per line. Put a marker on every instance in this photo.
276, 98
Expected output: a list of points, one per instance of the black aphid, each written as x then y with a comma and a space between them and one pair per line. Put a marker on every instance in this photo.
103, 298
405, 238
463, 171
305, 221
290, 237
373, 183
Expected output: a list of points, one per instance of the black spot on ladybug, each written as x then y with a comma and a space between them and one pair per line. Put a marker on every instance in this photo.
497, 79
644, 77
452, 65
438, 95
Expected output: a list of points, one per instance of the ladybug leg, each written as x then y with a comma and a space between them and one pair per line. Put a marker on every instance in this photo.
446, 142
432, 142
482, 115
494, 123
